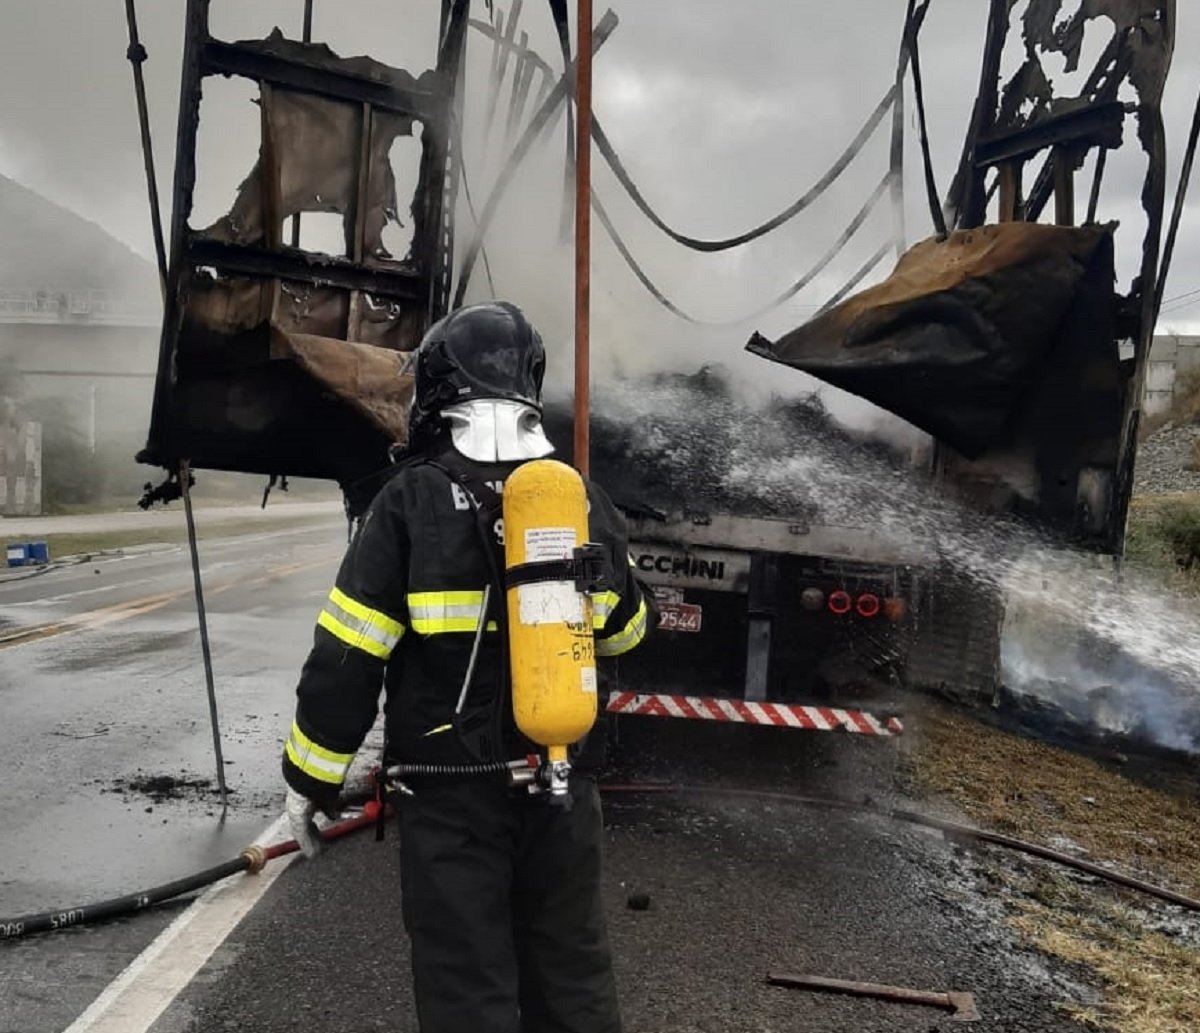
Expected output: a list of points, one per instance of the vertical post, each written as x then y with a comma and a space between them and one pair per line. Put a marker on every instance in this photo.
185, 475
92, 418
583, 232
1064, 186
1010, 190
308, 15
137, 55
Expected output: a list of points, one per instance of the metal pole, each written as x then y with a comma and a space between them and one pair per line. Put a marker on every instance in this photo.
184, 479
137, 55
308, 15
92, 418
583, 232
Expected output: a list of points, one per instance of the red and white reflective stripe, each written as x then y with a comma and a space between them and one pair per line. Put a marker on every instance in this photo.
751, 712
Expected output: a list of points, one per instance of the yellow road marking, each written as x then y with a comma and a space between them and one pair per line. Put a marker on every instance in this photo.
136, 607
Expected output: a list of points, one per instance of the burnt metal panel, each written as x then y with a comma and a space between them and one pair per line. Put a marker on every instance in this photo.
1014, 366
313, 68
1097, 125
278, 360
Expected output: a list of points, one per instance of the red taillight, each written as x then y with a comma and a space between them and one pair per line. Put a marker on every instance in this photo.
840, 603
867, 605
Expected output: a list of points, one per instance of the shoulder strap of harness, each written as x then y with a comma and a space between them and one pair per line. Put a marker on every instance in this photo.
480, 726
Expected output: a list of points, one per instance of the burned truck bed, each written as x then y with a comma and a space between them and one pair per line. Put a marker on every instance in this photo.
679, 451
746, 517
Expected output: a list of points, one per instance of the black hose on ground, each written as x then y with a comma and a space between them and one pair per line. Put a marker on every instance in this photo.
952, 828
252, 859
65, 918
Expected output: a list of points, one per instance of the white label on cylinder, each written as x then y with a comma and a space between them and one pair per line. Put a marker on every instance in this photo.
549, 543
549, 602
587, 679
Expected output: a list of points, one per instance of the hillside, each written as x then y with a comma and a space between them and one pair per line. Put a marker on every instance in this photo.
44, 244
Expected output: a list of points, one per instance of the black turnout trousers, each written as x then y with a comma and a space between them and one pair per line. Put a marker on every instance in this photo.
502, 903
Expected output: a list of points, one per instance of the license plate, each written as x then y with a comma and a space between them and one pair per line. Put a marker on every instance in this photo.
679, 617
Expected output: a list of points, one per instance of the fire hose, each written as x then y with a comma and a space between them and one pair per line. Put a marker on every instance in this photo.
251, 860
949, 828
254, 858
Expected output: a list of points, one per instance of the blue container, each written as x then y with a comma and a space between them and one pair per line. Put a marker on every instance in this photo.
39, 553
18, 554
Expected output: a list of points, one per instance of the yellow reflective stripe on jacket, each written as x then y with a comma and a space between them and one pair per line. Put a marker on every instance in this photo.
359, 626
434, 613
628, 637
322, 764
603, 604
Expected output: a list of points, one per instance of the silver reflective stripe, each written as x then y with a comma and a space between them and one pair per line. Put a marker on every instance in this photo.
432, 613
361, 632
603, 604
322, 764
625, 639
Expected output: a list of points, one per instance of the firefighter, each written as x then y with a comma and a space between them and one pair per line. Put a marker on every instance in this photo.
500, 889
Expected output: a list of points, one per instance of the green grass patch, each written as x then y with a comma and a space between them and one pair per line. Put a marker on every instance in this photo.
1163, 538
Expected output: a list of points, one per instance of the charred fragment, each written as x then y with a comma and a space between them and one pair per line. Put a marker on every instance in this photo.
972, 336
274, 359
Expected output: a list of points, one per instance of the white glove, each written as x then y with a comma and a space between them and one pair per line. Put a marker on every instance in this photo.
300, 810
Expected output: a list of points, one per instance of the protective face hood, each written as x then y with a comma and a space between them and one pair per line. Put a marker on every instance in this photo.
490, 430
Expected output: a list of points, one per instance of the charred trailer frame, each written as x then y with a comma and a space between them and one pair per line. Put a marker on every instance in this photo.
1079, 424
1003, 341
276, 360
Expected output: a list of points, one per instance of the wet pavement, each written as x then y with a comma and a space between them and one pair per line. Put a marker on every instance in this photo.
736, 889
109, 790
109, 769
169, 517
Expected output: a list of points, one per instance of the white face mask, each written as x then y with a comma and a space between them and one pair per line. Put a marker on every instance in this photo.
497, 431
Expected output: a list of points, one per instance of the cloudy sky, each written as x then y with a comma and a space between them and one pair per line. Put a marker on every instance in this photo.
724, 112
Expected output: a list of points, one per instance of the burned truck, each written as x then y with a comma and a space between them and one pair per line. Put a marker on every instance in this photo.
1003, 336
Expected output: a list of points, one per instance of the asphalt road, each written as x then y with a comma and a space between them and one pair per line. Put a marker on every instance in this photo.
112, 692
105, 712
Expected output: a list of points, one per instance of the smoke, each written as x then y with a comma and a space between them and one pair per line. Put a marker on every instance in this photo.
1110, 654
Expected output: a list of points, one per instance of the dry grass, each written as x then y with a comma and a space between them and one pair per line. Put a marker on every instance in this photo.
1030, 789
1039, 792
1152, 982
1193, 463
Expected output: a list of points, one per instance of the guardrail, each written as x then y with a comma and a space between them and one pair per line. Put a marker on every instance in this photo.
73, 305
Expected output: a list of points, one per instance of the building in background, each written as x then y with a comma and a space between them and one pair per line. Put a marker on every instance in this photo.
79, 325
1171, 357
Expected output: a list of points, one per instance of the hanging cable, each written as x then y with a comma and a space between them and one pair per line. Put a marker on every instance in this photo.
604, 29
137, 57
896, 151
487, 265
863, 272
1180, 297
847, 234
912, 29
1185, 177
604, 145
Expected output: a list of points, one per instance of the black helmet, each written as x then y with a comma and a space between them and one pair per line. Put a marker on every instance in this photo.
481, 351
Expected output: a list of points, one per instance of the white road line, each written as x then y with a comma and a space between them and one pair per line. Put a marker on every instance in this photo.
133, 1001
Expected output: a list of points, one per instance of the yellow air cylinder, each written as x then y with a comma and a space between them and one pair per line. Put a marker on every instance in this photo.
551, 645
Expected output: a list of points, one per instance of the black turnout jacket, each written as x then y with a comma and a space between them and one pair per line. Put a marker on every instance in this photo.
403, 615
